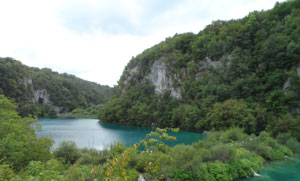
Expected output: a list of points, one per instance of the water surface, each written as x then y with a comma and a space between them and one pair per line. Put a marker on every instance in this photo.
93, 133
287, 170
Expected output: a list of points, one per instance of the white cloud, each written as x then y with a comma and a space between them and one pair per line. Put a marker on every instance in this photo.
95, 39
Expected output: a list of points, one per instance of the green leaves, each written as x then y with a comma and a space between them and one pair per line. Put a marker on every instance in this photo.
19, 143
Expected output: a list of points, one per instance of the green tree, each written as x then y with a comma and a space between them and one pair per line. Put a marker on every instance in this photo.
19, 143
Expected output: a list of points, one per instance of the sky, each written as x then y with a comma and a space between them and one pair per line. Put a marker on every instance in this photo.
95, 39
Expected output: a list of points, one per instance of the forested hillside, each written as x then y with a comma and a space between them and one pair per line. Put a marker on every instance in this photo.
243, 73
44, 92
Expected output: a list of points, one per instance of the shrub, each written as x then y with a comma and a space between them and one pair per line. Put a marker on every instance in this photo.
289, 141
67, 151
6, 173
93, 156
19, 143
37, 170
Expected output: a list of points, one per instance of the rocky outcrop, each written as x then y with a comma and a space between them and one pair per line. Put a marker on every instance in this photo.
159, 78
27, 82
287, 84
42, 97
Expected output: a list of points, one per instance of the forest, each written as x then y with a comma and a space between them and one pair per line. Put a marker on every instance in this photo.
65, 92
239, 73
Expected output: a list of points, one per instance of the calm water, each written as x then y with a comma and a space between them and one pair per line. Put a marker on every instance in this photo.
288, 170
92, 133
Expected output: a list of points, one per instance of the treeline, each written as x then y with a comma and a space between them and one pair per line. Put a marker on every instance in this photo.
223, 155
61, 93
243, 73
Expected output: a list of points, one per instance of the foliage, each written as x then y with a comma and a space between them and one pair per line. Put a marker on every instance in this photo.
21, 83
88, 112
234, 113
37, 170
6, 173
242, 73
67, 151
19, 143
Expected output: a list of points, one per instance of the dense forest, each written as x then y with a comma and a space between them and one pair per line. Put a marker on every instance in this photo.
243, 73
44, 93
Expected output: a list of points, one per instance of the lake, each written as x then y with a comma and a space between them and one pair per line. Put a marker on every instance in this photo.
92, 133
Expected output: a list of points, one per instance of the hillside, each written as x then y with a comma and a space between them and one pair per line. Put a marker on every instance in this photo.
242, 73
44, 92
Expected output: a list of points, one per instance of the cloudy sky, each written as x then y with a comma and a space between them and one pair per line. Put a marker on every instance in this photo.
95, 39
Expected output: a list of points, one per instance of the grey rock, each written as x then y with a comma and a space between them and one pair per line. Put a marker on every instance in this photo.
158, 77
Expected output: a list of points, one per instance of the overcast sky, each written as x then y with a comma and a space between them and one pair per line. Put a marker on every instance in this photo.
95, 39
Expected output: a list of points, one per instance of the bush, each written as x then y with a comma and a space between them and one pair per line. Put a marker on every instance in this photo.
6, 173
80, 172
67, 151
19, 142
93, 156
289, 141
267, 147
222, 153
235, 113
50, 170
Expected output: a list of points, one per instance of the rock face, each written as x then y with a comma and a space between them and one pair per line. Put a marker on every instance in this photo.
42, 97
287, 84
158, 77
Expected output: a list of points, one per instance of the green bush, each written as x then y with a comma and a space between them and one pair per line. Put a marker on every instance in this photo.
289, 141
67, 151
6, 173
93, 156
50, 170
19, 142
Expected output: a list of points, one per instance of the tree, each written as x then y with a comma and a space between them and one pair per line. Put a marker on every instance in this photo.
19, 143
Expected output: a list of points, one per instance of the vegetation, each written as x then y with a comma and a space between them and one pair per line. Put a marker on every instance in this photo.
18, 142
242, 73
223, 155
65, 92
237, 79
88, 112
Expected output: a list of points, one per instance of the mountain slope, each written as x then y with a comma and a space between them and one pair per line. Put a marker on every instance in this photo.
44, 92
233, 73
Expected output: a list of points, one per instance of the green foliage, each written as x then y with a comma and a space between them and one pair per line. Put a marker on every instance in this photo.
6, 173
67, 151
234, 113
286, 124
289, 141
68, 92
88, 112
241, 73
19, 143
50, 170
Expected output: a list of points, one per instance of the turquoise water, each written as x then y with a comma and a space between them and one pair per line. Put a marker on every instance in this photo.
287, 170
93, 133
